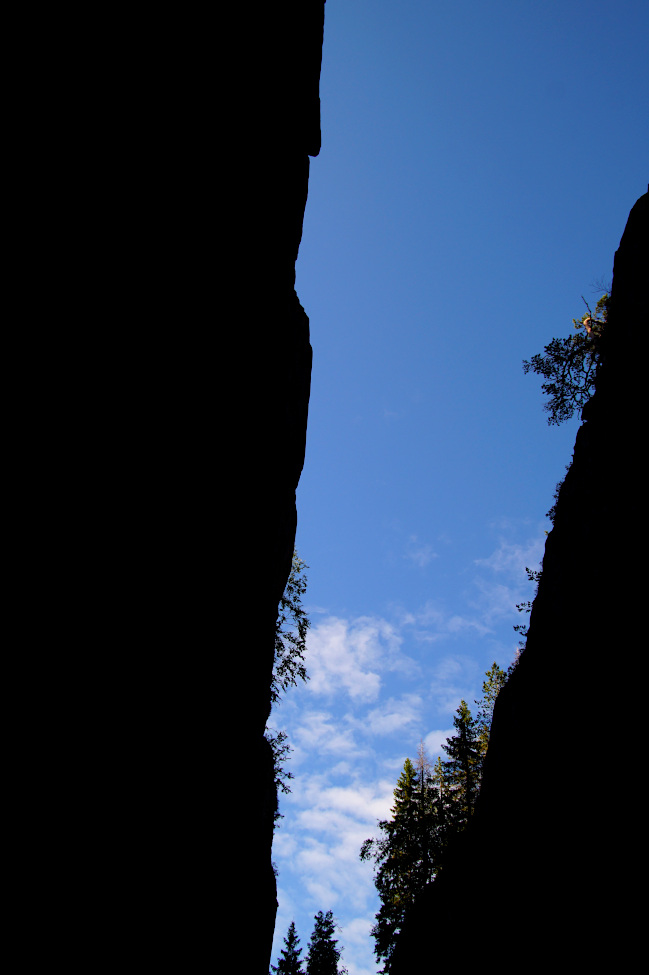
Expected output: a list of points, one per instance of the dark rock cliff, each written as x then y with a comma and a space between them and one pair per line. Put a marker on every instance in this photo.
551, 872
169, 165
269, 363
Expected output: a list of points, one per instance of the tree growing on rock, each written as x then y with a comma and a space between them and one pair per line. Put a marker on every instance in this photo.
398, 857
568, 365
290, 633
533, 575
464, 763
432, 805
289, 665
409, 853
496, 678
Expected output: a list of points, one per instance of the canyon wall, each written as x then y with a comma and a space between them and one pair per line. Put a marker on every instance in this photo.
551, 871
268, 367
167, 379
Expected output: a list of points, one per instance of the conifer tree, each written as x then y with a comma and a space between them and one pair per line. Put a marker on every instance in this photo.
432, 805
406, 855
496, 678
290, 962
444, 808
464, 763
425, 813
323, 955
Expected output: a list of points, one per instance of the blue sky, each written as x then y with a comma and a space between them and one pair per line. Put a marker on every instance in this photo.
478, 165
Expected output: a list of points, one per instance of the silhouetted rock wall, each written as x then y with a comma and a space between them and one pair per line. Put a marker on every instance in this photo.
166, 427
549, 874
269, 368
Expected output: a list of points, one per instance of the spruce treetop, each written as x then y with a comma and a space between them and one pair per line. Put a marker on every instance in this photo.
324, 954
289, 963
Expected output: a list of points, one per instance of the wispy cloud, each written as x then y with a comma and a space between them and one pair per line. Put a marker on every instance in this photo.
420, 553
451, 680
395, 715
329, 824
350, 655
512, 558
434, 740
377, 686
356, 937
319, 732
505, 583
341, 811
430, 624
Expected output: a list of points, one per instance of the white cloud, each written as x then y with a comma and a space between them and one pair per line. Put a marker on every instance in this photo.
284, 844
506, 582
345, 805
434, 740
452, 679
447, 668
330, 824
497, 601
364, 709
354, 938
431, 624
319, 732
357, 931
447, 696
394, 715
349, 656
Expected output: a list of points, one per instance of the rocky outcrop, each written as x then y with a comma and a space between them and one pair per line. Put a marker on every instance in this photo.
167, 428
269, 366
549, 873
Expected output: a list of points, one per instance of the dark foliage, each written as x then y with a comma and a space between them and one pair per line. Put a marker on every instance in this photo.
289, 963
289, 668
568, 365
324, 953
431, 807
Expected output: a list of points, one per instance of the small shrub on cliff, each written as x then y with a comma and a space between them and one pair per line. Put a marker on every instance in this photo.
568, 365
289, 666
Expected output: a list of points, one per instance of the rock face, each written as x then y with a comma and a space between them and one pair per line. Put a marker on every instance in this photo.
269, 361
168, 435
549, 873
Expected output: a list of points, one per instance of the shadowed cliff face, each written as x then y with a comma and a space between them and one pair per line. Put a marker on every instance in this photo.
173, 153
269, 359
548, 873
